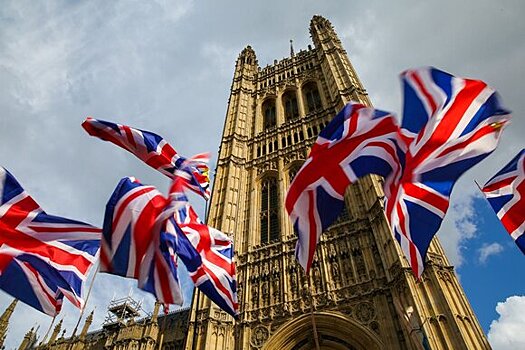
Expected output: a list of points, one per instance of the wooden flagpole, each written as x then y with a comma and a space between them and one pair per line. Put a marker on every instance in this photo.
197, 291
477, 184
85, 303
48, 330
314, 325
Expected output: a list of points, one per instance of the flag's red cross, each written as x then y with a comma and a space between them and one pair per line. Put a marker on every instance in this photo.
17, 221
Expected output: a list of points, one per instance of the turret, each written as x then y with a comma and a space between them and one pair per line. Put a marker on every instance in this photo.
155, 314
4, 321
29, 340
87, 324
341, 77
54, 335
323, 34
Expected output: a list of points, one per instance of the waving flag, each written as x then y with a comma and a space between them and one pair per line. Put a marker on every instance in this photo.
506, 194
134, 241
449, 125
42, 257
151, 149
357, 142
206, 252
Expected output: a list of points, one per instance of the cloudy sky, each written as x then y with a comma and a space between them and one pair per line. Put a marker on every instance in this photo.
166, 66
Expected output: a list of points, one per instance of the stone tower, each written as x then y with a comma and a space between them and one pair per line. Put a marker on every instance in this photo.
360, 293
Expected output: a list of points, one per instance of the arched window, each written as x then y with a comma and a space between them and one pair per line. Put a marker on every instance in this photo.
293, 171
313, 99
270, 118
291, 110
269, 211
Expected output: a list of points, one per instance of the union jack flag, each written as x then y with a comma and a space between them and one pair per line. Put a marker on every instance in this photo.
449, 125
358, 141
135, 243
506, 194
42, 257
206, 252
151, 149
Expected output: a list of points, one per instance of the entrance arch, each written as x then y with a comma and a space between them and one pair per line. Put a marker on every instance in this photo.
335, 332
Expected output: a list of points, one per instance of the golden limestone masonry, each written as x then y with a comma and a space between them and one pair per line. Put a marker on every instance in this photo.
363, 294
360, 293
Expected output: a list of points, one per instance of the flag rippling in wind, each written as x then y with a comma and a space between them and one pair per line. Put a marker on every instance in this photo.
449, 124
152, 149
135, 243
43, 258
206, 252
358, 141
506, 194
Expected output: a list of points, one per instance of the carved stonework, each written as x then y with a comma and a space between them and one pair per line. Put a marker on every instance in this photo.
259, 335
356, 263
364, 312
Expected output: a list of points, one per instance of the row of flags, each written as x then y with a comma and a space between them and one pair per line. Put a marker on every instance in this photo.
449, 124
45, 258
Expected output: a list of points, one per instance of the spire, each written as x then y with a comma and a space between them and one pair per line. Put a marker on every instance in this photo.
4, 321
29, 339
87, 324
292, 53
55, 332
323, 34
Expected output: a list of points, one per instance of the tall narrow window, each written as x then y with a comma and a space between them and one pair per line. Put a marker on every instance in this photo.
269, 211
291, 110
313, 99
293, 171
270, 119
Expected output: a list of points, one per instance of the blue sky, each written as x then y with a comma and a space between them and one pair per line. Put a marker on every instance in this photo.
495, 278
167, 66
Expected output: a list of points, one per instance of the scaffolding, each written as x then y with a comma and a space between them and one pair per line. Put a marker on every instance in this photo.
121, 311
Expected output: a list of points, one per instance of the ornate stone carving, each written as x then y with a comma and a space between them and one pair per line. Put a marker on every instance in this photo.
364, 312
335, 272
259, 335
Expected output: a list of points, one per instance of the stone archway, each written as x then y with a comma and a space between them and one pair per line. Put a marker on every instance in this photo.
335, 332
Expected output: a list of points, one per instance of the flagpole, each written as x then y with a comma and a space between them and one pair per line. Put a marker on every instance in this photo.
314, 325
85, 303
197, 291
48, 330
478, 186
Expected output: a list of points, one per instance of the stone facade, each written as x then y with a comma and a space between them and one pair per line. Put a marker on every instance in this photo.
166, 332
360, 293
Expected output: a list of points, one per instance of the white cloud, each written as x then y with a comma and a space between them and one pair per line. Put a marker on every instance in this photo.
507, 331
488, 250
459, 225
167, 66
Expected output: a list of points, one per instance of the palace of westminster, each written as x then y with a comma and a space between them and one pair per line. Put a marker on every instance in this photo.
362, 295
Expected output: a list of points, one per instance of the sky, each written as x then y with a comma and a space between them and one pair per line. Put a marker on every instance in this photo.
167, 67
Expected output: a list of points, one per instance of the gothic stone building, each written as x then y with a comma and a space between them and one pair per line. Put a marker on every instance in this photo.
123, 329
363, 294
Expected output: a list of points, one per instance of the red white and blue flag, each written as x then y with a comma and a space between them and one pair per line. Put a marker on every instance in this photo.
206, 252
357, 142
449, 125
151, 149
506, 194
43, 258
135, 243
